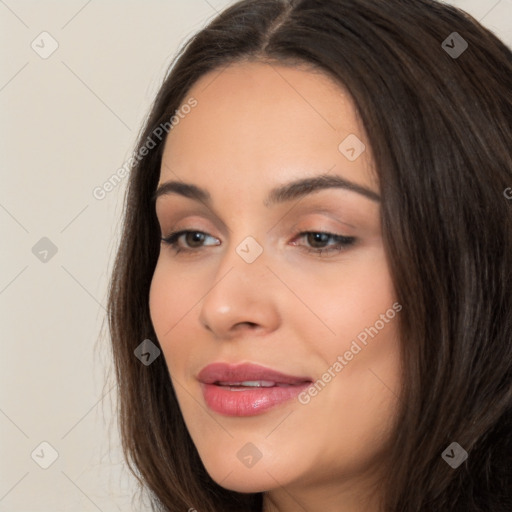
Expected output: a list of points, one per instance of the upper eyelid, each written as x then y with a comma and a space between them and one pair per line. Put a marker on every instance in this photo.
304, 209
224, 228
209, 216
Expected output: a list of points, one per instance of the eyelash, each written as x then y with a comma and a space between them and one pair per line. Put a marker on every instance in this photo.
342, 242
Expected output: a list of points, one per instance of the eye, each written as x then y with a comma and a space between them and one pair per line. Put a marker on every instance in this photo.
318, 242
193, 239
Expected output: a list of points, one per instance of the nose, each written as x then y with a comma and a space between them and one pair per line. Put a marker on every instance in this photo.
243, 297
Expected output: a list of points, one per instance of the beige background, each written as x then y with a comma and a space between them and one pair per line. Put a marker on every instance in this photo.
68, 123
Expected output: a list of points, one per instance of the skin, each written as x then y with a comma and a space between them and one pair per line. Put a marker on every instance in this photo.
257, 126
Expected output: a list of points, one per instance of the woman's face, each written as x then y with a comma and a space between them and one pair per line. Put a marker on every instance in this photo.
251, 287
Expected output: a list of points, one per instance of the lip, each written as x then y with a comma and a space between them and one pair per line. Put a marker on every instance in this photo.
247, 401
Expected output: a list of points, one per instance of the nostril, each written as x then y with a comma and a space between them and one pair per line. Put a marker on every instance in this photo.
252, 325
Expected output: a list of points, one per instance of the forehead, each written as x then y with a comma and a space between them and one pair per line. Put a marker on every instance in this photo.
265, 118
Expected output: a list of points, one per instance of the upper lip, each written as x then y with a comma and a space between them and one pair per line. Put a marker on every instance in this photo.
224, 372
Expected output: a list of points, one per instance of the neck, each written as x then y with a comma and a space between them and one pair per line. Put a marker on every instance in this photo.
349, 496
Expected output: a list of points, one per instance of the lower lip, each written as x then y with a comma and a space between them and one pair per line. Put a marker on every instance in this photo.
247, 401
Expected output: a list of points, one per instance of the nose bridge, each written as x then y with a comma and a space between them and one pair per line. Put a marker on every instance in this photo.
245, 254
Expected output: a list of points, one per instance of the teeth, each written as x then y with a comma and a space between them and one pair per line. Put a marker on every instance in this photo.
250, 383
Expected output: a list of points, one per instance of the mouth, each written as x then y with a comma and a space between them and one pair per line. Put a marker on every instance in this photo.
251, 384
248, 375
247, 389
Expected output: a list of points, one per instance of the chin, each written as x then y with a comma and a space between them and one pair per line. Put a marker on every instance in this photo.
246, 480
231, 473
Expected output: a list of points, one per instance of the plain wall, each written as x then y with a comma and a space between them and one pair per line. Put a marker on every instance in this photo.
68, 123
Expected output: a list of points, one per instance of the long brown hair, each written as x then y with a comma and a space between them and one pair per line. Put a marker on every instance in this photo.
440, 129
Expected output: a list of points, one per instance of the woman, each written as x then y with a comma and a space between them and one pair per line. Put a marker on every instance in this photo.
311, 302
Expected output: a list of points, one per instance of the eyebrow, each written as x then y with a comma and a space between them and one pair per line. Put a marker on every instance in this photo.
282, 193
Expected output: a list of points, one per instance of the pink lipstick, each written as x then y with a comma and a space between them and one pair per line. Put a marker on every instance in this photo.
247, 389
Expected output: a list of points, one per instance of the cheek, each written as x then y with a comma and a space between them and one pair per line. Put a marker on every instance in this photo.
174, 303
170, 301
173, 293
365, 295
345, 299
162, 300
357, 341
